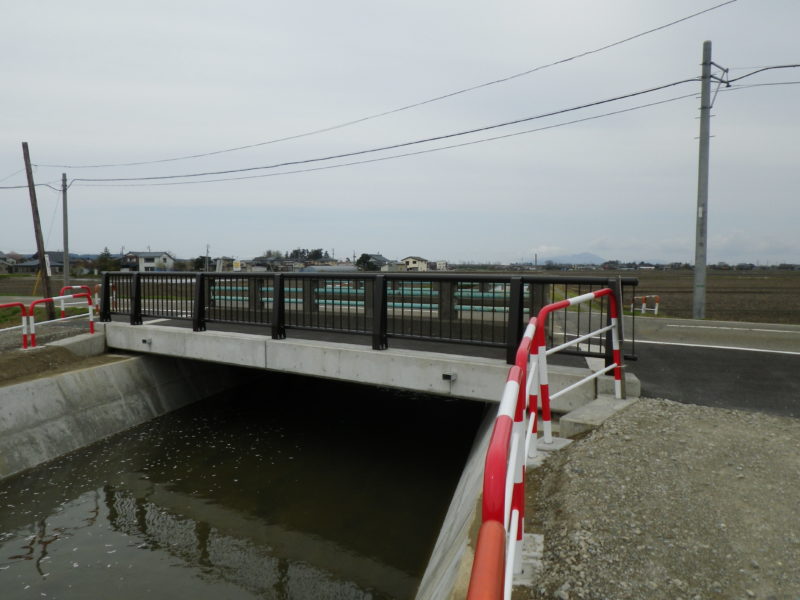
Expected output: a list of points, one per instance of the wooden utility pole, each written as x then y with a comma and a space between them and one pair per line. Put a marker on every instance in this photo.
37, 228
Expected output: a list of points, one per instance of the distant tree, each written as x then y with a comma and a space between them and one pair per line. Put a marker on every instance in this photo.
298, 254
105, 262
273, 254
315, 254
365, 263
199, 263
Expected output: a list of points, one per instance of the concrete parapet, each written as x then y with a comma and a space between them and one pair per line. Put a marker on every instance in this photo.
469, 377
85, 344
592, 415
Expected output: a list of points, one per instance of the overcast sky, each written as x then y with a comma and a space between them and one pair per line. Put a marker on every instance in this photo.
91, 82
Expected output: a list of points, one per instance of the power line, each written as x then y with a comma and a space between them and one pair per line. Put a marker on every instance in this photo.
25, 187
431, 150
395, 146
402, 108
761, 70
404, 155
11, 175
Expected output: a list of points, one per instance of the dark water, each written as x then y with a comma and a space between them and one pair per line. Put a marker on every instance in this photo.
289, 488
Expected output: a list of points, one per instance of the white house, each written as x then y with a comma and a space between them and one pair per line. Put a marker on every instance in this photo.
147, 261
415, 263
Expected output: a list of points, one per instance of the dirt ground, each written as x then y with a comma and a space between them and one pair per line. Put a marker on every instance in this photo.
671, 501
19, 365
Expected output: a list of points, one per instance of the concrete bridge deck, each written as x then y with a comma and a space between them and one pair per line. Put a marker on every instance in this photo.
458, 370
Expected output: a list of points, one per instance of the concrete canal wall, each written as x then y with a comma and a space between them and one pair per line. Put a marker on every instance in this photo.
44, 418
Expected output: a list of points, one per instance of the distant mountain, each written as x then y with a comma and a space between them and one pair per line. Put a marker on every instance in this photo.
584, 258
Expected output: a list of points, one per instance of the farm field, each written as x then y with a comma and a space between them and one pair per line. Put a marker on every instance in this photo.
757, 296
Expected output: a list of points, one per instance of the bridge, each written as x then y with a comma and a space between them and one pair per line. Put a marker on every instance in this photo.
445, 333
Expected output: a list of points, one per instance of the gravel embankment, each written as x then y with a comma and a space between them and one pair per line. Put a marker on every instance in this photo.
671, 501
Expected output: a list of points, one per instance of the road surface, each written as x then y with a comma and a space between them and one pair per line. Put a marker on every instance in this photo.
752, 366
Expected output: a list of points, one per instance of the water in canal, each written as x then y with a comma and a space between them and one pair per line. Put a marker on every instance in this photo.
288, 488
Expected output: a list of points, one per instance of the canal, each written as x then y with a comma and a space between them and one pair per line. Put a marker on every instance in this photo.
287, 488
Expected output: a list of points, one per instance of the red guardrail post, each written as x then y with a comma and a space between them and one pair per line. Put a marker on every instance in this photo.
24, 315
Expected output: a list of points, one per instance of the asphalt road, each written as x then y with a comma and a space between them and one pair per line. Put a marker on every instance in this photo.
750, 366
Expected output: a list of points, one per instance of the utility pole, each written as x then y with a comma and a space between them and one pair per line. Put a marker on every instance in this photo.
37, 228
699, 297
66, 227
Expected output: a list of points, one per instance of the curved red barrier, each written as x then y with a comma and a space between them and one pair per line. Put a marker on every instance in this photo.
24, 315
503, 505
33, 305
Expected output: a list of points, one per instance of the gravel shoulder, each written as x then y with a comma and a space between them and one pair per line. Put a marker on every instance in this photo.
669, 500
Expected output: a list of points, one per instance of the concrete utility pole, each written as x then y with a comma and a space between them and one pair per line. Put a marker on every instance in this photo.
699, 297
37, 229
66, 227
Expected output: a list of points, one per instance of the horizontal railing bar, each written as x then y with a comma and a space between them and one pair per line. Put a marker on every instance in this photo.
586, 379
578, 340
428, 276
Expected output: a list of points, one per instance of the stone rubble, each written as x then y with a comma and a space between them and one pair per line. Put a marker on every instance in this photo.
672, 501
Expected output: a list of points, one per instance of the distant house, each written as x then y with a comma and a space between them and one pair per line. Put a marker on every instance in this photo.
6, 263
416, 263
147, 261
394, 267
441, 265
31, 265
378, 260
274, 263
337, 268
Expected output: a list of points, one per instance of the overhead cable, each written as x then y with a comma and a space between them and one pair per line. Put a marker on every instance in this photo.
402, 108
761, 70
395, 156
399, 145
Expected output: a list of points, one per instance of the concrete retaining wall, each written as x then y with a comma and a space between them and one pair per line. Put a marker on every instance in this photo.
448, 571
45, 418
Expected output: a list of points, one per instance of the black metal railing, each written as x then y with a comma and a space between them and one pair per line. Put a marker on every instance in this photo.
486, 310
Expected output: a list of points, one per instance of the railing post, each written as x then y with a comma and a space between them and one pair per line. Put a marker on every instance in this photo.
310, 304
379, 316
616, 289
515, 329
447, 300
255, 306
136, 301
199, 306
538, 297
105, 299
278, 318
369, 299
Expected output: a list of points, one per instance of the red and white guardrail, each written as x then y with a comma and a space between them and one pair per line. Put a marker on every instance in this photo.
32, 316
644, 302
24, 325
63, 301
498, 553
541, 352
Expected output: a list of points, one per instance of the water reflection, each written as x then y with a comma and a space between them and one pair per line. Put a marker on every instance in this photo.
337, 494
